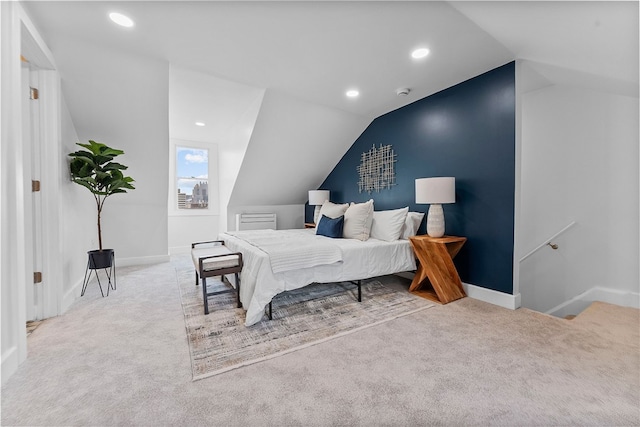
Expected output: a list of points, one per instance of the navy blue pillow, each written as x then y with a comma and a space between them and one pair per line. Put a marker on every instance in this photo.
330, 227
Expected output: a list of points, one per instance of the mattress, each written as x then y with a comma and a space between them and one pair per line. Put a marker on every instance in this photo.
360, 260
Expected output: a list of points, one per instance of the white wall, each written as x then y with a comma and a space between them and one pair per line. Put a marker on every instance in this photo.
63, 214
293, 148
231, 154
189, 226
134, 120
229, 110
77, 213
287, 216
579, 162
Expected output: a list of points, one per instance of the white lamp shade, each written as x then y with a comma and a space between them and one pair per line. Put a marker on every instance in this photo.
436, 190
318, 197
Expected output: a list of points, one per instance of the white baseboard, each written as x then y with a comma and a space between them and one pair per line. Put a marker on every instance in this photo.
9, 363
143, 260
179, 250
483, 294
612, 296
70, 296
493, 297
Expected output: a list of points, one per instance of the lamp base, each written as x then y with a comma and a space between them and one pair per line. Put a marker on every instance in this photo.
435, 221
316, 214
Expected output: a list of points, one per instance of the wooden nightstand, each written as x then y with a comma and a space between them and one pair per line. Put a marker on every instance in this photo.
436, 268
309, 225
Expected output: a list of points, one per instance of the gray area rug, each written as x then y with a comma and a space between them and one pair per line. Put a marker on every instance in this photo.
219, 341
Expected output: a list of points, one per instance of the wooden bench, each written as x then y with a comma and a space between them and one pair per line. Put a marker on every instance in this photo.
212, 259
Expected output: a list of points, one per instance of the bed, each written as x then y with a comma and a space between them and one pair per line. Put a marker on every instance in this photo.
263, 278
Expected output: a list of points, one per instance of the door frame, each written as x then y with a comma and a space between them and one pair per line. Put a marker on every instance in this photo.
19, 36
36, 52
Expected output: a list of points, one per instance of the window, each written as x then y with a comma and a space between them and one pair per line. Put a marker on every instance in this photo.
192, 177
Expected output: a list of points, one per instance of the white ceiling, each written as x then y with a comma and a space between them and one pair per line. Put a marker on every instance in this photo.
219, 104
593, 37
315, 51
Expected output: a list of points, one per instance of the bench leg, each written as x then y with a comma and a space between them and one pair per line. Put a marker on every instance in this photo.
238, 289
204, 295
196, 277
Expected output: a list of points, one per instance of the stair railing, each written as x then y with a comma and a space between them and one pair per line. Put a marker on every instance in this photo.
547, 242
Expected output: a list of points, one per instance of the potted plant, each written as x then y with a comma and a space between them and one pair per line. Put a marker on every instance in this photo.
95, 170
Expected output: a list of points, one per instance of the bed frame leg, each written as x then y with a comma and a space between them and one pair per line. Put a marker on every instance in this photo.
359, 290
197, 278
238, 289
204, 295
270, 311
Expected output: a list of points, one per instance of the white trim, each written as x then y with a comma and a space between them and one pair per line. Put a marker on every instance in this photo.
517, 196
34, 43
15, 276
493, 297
10, 363
143, 260
483, 294
213, 180
175, 250
608, 295
74, 293
71, 295
50, 173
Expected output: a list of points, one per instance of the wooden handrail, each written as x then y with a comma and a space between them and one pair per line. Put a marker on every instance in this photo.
548, 241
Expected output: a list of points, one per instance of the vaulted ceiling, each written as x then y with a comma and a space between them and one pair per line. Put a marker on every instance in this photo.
315, 51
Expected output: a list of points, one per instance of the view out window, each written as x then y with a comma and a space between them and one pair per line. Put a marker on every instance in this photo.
192, 175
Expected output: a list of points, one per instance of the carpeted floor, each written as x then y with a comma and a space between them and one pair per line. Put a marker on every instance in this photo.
124, 360
219, 341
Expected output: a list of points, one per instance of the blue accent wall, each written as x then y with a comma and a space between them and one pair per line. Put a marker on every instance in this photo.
466, 131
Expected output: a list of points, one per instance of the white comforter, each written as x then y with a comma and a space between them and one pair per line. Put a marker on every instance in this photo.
360, 260
290, 250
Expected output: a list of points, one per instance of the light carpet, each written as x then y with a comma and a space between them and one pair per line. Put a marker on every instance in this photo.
123, 360
219, 341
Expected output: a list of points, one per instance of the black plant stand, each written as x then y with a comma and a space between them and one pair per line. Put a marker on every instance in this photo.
105, 260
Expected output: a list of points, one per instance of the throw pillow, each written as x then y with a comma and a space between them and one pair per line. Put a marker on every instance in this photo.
330, 227
412, 224
333, 210
387, 225
357, 220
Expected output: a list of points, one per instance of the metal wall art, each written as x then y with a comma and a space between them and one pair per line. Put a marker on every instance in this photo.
377, 169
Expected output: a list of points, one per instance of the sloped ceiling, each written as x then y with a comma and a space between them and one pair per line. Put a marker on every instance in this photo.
586, 43
312, 52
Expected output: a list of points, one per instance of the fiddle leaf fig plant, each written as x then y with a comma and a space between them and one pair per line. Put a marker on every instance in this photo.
95, 170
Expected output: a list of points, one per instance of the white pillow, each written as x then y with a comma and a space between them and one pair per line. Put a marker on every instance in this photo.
331, 210
387, 225
357, 221
412, 224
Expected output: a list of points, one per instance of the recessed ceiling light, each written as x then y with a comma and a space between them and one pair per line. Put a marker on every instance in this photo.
199, 124
121, 19
420, 53
352, 93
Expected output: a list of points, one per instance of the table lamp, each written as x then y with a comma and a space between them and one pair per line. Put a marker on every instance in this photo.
317, 198
435, 191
